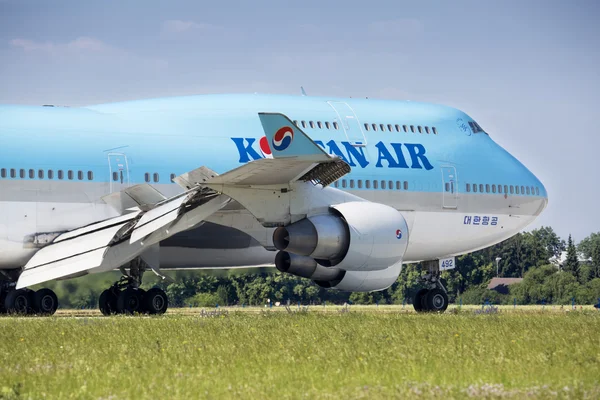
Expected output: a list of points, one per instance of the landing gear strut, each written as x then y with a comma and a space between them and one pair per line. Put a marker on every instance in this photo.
126, 297
24, 301
433, 298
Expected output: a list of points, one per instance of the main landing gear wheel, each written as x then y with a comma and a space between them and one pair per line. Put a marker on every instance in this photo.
156, 301
433, 298
130, 301
108, 302
19, 302
45, 302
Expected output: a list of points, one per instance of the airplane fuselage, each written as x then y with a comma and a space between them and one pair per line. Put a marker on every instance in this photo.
458, 190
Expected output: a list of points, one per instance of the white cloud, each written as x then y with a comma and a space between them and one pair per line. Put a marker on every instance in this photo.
175, 27
396, 27
82, 43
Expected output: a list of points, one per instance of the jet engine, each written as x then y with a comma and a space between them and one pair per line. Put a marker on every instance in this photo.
356, 246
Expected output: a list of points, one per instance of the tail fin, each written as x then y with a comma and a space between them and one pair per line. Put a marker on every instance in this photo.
285, 139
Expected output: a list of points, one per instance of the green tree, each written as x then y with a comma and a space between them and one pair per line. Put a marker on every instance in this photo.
571, 264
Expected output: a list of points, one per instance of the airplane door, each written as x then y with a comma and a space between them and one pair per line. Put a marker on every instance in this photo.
449, 187
118, 168
350, 123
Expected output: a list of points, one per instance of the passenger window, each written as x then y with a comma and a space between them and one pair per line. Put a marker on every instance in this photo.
3, 172
319, 125
367, 184
336, 183
382, 126
61, 174
146, 177
412, 128
383, 184
434, 130
474, 188
374, 127
517, 190
41, 174
405, 185
31, 174
522, 190
359, 182
312, 124
326, 124
481, 188
487, 187
296, 123
500, 189
335, 125
397, 127
155, 176
427, 130
447, 186
22, 173
468, 187
90, 176
532, 190
13, 173
537, 191
303, 124
351, 183
419, 129
493, 188
405, 128
390, 127
512, 189
398, 185
528, 190
505, 189
375, 184
172, 177
116, 176
80, 175
344, 183
70, 175
50, 174
366, 126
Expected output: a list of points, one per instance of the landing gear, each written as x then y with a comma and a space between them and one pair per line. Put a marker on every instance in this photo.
433, 298
24, 301
126, 297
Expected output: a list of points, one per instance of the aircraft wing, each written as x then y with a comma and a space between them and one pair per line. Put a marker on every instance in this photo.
148, 217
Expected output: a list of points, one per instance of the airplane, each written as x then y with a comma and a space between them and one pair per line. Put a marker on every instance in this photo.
342, 191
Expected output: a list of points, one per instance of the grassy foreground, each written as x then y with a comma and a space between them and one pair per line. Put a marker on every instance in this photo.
267, 354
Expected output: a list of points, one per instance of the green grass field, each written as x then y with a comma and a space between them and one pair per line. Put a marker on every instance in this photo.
367, 352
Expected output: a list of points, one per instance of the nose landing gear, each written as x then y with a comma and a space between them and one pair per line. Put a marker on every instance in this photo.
433, 298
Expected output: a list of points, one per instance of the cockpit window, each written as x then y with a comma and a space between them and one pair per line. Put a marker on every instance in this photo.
475, 127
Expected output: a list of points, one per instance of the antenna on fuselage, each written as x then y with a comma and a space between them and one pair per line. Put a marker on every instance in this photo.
302, 90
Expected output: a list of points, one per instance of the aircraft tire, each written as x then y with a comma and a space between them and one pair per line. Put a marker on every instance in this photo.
2, 298
130, 301
107, 302
437, 300
418, 302
156, 301
19, 302
45, 302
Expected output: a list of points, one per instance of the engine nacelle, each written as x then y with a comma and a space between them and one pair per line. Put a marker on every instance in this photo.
364, 281
355, 236
306, 267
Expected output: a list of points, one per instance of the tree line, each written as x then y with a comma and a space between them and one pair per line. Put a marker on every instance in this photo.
526, 255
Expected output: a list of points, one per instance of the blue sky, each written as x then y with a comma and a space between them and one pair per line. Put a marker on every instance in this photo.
527, 71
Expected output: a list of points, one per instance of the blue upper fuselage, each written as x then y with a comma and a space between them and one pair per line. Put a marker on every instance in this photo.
171, 136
